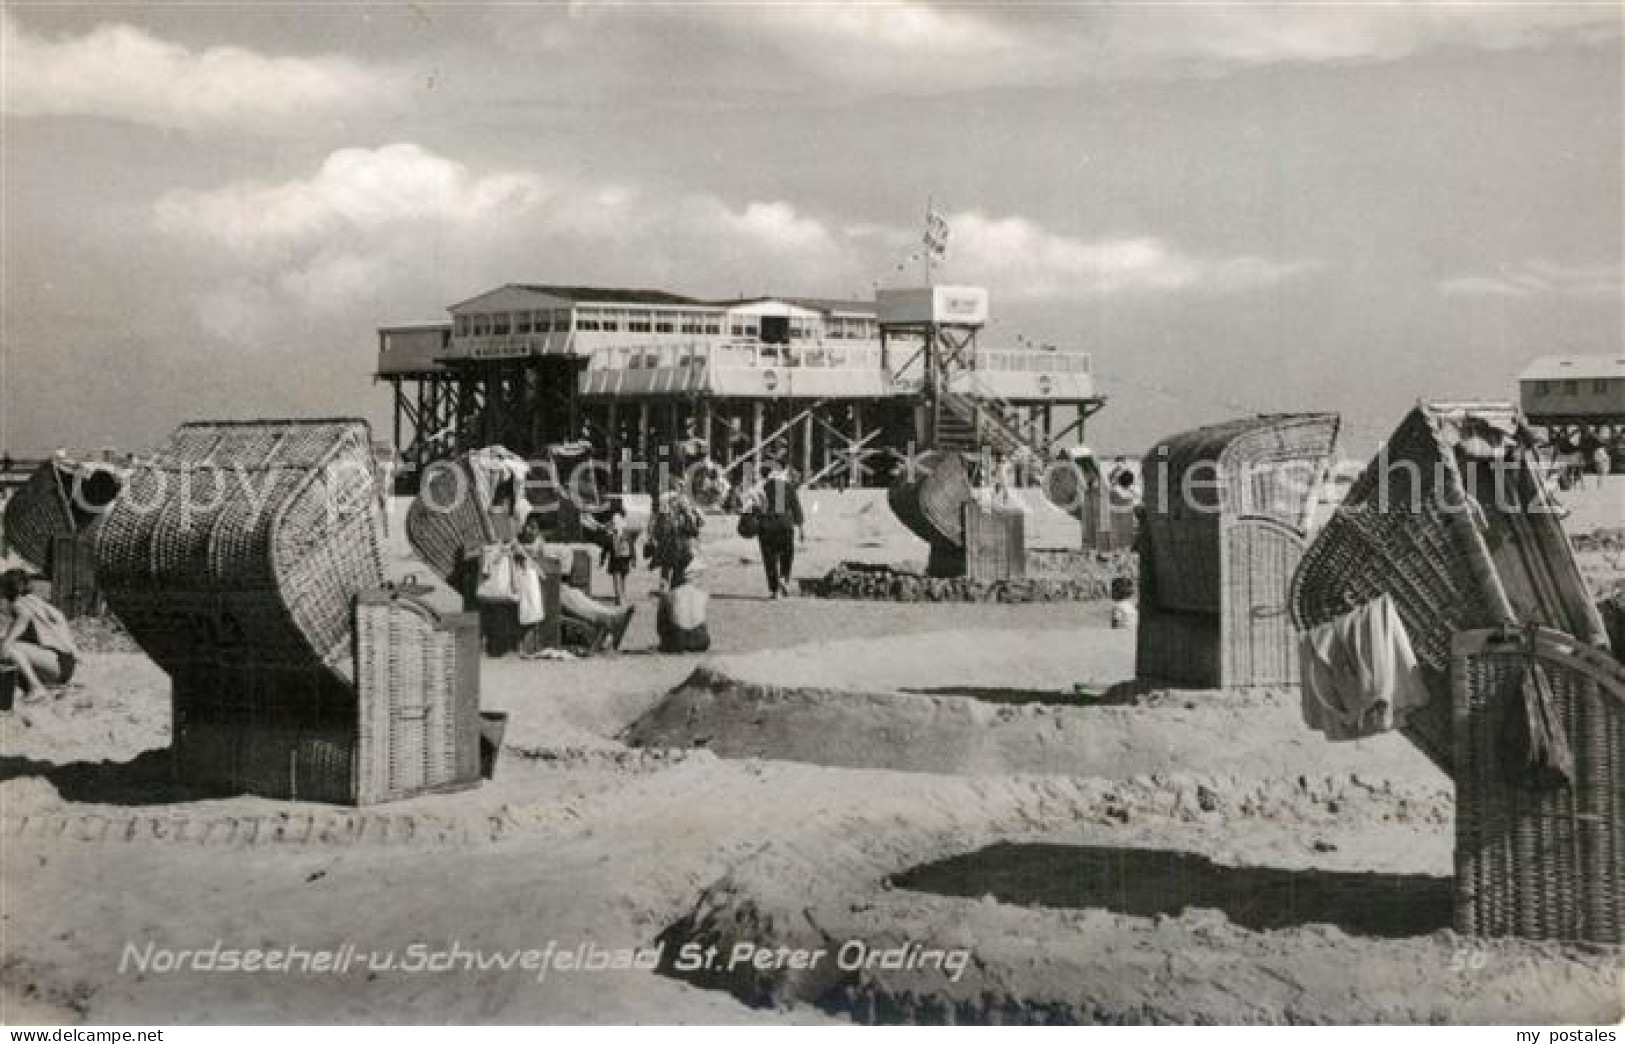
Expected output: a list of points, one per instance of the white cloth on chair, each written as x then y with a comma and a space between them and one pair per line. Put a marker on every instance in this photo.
532, 607
1359, 673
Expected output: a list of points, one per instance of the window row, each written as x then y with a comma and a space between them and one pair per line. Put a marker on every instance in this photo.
1599, 386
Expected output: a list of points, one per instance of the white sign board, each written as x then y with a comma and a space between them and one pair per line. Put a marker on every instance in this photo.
962, 305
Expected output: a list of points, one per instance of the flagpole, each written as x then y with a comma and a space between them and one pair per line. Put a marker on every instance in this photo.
925, 242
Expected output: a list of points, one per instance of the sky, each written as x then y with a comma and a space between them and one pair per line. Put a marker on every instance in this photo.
207, 210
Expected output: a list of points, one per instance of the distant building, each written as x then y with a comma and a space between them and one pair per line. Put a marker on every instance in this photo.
818, 381
1560, 390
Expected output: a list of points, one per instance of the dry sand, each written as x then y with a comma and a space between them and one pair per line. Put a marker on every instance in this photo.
834, 771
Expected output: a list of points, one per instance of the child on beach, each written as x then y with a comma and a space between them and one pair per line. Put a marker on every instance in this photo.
619, 550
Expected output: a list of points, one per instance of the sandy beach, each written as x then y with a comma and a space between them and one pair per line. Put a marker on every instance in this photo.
833, 774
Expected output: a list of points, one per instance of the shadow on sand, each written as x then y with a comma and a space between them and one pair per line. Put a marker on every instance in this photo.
1148, 882
145, 779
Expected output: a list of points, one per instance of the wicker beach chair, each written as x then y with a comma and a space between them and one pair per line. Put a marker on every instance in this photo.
1539, 864
1226, 516
453, 516
246, 559
930, 499
1452, 522
62, 498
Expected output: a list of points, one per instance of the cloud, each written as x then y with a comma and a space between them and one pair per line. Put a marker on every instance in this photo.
375, 235
1539, 278
1219, 37
911, 45
355, 192
123, 73
1024, 260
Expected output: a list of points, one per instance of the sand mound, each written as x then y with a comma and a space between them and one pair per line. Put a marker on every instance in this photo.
968, 735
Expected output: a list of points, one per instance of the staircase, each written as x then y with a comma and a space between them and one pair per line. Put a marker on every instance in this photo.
967, 425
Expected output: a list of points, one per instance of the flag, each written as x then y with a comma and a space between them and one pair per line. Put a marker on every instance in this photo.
936, 234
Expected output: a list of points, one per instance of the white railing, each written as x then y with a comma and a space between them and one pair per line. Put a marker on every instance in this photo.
696, 355
509, 346
1032, 362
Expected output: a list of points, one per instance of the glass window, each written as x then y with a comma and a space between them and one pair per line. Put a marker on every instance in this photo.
1571, 387
1600, 386
1542, 389
462, 326
525, 324
639, 324
713, 328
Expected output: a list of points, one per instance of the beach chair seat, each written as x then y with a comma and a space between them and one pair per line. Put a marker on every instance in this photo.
247, 560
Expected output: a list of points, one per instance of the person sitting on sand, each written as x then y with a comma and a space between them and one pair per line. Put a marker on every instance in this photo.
680, 620
37, 640
606, 625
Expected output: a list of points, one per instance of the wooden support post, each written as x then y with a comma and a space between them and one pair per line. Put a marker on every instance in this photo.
807, 443
643, 443
854, 475
756, 429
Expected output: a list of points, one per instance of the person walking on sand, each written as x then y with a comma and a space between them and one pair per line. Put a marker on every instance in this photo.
36, 640
780, 520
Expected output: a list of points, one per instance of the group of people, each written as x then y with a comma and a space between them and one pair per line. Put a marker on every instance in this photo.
604, 626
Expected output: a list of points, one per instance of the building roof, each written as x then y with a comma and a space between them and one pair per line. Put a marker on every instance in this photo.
417, 327
828, 305
835, 305
1573, 367
550, 295
611, 295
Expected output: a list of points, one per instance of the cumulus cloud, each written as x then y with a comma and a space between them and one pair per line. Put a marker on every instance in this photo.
123, 73
375, 234
1539, 278
1025, 260
356, 191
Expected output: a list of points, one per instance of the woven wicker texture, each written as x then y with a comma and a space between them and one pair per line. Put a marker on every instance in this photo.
60, 498
995, 544
448, 519
272, 732
246, 543
930, 498
1459, 542
1225, 515
1201, 481
1539, 864
73, 575
417, 682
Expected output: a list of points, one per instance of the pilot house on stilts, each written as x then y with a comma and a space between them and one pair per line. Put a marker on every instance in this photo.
841, 388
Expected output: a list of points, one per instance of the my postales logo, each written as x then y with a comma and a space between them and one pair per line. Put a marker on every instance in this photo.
961, 304
770, 380
1046, 384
